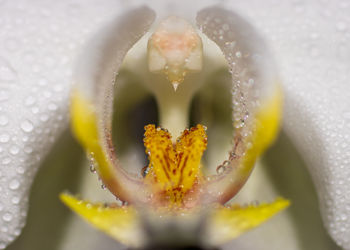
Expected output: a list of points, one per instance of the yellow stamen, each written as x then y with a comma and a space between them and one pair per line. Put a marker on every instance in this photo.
174, 170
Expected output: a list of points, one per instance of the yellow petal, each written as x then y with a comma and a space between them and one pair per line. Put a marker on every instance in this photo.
248, 149
121, 223
227, 223
266, 127
84, 124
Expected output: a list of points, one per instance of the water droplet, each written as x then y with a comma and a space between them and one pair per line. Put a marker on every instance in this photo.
20, 170
4, 95
58, 88
44, 117
238, 54
28, 150
4, 138
27, 126
103, 186
92, 168
42, 82
226, 163
225, 27
343, 217
346, 115
233, 155
35, 110
144, 171
3, 120
7, 217
15, 200
220, 169
14, 150
6, 161
30, 100
52, 107
14, 184
7, 73
341, 26
17, 232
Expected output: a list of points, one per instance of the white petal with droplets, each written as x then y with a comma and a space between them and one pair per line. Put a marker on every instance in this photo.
39, 42
311, 42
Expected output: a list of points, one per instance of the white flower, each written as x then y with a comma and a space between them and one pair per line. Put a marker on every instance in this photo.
310, 42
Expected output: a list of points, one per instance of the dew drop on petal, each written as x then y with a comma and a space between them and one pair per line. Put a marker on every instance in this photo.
7, 217
4, 95
144, 171
346, 115
15, 200
3, 120
35, 110
7, 73
20, 170
27, 126
14, 184
341, 26
14, 150
30, 100
92, 168
6, 161
4, 138
52, 107
44, 117
220, 169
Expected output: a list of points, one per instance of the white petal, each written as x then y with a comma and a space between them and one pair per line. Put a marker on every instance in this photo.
38, 44
311, 44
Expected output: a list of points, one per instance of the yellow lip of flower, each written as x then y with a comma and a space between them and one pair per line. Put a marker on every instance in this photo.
174, 178
174, 183
174, 175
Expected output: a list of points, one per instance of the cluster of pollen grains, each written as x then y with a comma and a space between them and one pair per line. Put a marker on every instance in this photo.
174, 170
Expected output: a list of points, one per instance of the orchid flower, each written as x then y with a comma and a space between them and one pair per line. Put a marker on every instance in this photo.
308, 44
